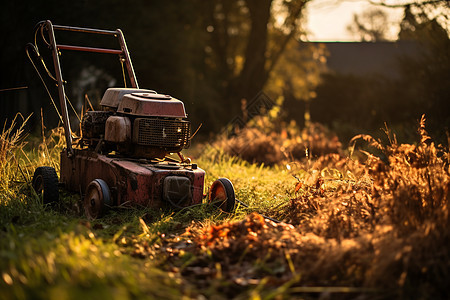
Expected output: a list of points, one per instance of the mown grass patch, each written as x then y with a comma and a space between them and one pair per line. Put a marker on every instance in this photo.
69, 262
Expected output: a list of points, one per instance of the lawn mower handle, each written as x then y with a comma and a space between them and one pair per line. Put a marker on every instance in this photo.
55, 48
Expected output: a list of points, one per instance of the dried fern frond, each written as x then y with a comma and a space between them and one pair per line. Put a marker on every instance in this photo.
370, 139
424, 137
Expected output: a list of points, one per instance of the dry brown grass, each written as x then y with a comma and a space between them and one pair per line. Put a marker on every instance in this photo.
255, 145
379, 228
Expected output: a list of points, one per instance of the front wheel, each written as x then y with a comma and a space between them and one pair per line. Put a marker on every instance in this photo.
97, 195
45, 183
222, 194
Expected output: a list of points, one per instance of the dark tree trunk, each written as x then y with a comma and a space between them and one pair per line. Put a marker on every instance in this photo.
254, 74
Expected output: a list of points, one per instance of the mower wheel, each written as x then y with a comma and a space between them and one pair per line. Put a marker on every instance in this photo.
97, 195
222, 193
45, 183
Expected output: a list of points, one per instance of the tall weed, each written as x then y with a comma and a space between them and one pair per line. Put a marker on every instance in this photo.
20, 204
11, 146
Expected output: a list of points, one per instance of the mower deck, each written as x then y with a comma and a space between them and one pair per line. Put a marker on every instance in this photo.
135, 181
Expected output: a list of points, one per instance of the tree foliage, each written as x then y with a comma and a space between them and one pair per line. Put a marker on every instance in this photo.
352, 104
209, 54
427, 76
371, 26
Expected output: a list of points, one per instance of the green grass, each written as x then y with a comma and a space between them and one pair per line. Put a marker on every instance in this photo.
71, 262
258, 186
55, 252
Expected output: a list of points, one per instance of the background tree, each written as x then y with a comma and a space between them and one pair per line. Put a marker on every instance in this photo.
370, 26
296, 78
428, 76
209, 54
247, 39
351, 104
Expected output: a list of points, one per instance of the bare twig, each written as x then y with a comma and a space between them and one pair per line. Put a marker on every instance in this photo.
412, 3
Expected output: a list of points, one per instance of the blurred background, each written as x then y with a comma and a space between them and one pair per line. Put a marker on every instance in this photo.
349, 65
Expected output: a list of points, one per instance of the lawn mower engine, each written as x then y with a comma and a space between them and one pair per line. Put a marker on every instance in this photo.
137, 123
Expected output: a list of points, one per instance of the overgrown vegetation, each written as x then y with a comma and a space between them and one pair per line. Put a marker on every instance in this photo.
267, 139
376, 227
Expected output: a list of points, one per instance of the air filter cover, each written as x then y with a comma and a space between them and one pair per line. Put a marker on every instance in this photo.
151, 104
113, 96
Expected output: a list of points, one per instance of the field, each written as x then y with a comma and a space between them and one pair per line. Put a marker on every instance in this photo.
371, 223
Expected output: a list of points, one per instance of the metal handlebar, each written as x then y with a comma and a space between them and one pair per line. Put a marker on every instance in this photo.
117, 33
81, 29
123, 53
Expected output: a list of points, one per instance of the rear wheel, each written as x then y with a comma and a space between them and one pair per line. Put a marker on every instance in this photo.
222, 194
97, 195
45, 183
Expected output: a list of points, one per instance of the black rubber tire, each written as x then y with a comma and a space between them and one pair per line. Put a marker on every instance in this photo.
45, 183
97, 195
222, 190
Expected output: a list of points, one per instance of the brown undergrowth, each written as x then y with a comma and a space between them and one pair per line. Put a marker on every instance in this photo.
378, 228
254, 144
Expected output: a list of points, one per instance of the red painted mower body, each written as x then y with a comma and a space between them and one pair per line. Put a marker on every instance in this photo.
139, 182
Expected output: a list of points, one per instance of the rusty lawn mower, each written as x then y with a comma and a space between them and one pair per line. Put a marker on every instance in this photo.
122, 157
